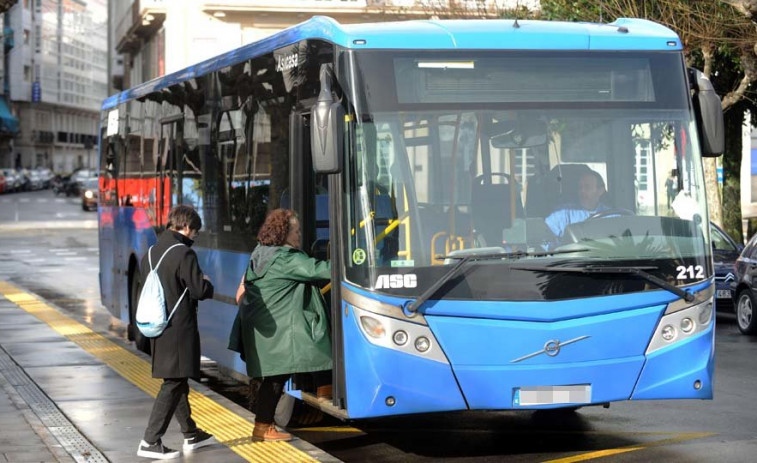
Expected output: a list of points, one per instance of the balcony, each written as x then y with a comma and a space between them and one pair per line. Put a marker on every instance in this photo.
43, 137
144, 19
489, 8
300, 5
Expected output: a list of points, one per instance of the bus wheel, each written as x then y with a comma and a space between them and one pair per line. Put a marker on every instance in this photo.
142, 343
745, 312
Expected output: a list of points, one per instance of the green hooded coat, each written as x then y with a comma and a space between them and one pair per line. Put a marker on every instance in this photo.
281, 326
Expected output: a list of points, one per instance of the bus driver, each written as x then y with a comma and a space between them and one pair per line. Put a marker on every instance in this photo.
591, 187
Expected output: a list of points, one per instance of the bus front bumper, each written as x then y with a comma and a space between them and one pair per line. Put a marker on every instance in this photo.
516, 364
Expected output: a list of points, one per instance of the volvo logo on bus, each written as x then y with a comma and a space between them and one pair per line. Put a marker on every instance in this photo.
551, 348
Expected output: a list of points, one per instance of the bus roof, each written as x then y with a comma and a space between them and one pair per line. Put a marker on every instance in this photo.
483, 34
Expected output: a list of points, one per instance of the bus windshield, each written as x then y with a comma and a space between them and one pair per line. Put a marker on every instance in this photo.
560, 159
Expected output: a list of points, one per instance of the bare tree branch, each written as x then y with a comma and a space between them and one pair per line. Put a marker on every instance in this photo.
747, 7
748, 65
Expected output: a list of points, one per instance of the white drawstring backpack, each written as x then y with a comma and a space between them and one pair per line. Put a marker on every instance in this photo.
151, 308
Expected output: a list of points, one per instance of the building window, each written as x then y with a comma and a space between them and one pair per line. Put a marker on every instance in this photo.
27, 74
26, 36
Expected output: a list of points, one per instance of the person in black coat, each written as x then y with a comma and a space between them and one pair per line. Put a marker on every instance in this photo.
176, 351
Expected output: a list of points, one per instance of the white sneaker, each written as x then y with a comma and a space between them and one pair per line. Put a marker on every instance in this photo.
156, 451
201, 439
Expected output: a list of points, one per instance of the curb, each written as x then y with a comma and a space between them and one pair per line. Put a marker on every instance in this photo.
48, 225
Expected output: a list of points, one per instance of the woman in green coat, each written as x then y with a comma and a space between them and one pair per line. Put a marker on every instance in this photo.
281, 327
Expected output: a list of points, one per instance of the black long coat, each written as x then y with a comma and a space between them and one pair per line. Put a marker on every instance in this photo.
176, 352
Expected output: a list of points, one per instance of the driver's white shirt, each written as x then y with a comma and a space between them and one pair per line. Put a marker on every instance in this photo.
571, 213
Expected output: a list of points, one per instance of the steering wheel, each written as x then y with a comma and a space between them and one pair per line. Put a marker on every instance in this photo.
569, 236
610, 213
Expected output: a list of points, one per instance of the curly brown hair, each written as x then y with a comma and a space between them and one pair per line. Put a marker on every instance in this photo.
275, 229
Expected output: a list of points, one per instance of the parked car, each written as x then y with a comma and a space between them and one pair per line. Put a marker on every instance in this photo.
36, 182
46, 175
12, 180
2, 183
744, 287
83, 174
725, 251
89, 194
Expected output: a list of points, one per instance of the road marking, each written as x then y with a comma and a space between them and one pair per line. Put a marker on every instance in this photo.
42, 200
93, 249
61, 254
34, 261
677, 438
75, 258
60, 250
20, 251
24, 200
229, 428
93, 269
50, 270
59, 200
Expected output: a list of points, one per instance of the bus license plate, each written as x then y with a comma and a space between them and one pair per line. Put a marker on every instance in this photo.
552, 395
723, 294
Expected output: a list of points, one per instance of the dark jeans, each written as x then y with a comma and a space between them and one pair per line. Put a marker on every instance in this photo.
270, 391
172, 400
268, 397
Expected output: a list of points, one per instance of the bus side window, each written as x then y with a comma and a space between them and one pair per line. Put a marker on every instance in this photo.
150, 142
190, 172
132, 165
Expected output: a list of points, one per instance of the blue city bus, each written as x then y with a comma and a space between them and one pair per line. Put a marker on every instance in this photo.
491, 194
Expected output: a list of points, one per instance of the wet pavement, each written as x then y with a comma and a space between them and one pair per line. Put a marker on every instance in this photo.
60, 266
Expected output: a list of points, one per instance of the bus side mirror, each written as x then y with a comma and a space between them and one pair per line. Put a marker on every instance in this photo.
709, 114
327, 129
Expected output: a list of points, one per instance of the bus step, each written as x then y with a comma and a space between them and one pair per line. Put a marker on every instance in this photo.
325, 407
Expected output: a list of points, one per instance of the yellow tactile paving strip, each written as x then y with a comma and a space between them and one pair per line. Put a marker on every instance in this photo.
229, 428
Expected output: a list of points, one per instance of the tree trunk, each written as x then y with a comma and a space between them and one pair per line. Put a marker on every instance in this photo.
734, 123
713, 190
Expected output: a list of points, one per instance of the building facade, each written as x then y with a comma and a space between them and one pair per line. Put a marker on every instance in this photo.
58, 77
157, 37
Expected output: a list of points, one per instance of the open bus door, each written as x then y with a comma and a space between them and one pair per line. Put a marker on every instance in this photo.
313, 199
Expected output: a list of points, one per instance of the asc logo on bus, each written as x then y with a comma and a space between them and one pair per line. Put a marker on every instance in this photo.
409, 280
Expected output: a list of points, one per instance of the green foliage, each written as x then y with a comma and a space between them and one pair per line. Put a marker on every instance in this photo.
570, 10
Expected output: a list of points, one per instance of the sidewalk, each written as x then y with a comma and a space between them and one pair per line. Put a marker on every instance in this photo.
70, 394
23, 438
23, 435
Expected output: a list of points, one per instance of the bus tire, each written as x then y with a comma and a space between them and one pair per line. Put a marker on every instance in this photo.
141, 342
745, 312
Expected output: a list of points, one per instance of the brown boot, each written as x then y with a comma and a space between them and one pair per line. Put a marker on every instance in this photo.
324, 393
268, 433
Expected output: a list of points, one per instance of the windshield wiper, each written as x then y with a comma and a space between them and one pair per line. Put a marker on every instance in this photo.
638, 271
464, 259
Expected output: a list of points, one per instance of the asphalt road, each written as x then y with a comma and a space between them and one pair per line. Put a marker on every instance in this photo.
41, 252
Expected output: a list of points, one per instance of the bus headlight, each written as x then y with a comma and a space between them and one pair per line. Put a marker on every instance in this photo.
372, 327
678, 326
422, 344
705, 313
376, 326
400, 338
